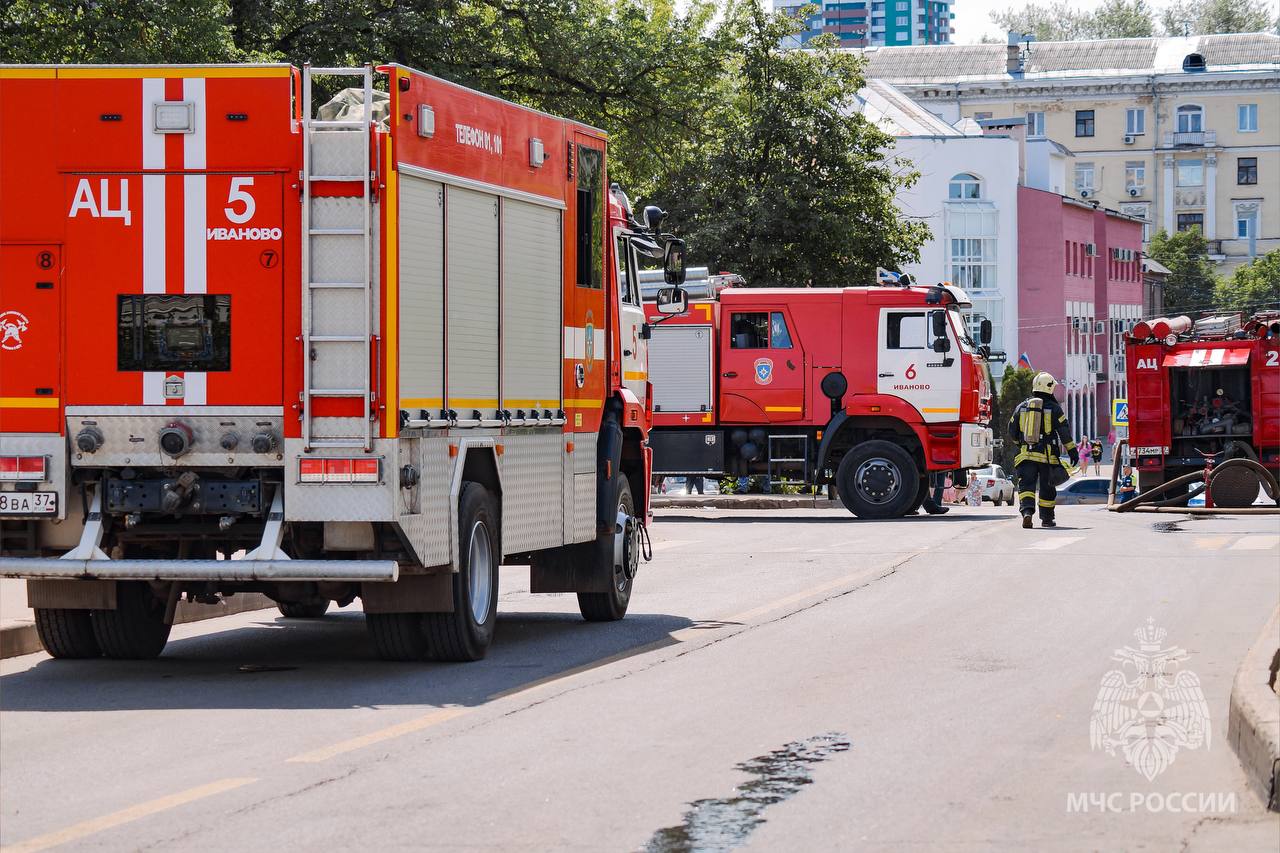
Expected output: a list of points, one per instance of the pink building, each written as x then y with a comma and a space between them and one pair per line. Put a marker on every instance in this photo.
1079, 289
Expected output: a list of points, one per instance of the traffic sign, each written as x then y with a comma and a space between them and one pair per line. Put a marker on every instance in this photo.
1120, 412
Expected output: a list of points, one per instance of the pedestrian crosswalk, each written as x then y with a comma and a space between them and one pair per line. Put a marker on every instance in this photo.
1235, 542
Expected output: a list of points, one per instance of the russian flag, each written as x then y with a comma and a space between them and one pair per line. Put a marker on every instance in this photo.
1024, 362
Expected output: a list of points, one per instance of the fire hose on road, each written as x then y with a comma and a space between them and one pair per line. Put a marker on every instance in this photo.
1237, 481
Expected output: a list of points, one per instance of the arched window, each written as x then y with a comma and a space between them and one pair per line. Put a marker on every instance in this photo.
1190, 119
965, 185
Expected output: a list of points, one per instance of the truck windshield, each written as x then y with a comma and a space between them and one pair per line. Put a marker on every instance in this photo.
961, 328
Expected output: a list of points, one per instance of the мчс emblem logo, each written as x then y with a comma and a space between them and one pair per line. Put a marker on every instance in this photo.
764, 371
12, 325
1150, 707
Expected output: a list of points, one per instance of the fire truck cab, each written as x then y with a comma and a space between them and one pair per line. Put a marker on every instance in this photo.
1208, 388
870, 388
372, 350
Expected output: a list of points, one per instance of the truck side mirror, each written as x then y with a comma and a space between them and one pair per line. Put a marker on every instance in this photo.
984, 331
672, 300
941, 345
939, 320
673, 262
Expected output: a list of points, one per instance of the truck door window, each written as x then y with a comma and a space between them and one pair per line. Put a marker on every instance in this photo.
628, 283
759, 330
907, 331
178, 332
590, 227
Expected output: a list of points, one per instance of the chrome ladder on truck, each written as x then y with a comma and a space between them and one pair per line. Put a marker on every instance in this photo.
337, 269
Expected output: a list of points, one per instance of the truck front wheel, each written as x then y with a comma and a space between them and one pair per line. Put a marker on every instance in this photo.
878, 479
67, 633
136, 629
618, 555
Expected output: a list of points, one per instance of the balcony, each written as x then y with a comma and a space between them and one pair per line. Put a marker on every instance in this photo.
1191, 139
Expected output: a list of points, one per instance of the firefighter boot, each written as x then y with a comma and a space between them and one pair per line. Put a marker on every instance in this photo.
1026, 520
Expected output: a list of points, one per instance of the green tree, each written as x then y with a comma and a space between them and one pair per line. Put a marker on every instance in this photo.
1191, 281
1204, 17
1253, 286
791, 187
1061, 21
73, 31
1015, 386
1121, 19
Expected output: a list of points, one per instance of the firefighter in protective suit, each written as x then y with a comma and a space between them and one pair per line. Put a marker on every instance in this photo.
1040, 429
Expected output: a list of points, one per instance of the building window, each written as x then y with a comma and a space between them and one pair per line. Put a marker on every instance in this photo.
1187, 221
1190, 119
902, 6
1246, 170
1247, 213
903, 20
1247, 118
964, 186
1190, 173
1139, 211
1084, 122
1135, 121
1135, 175
972, 234
1035, 124
981, 116
1084, 177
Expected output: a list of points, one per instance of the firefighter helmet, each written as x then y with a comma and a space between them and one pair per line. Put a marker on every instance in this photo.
1045, 382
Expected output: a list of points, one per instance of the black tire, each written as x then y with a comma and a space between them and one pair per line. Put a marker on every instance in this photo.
67, 633
884, 488
465, 634
997, 500
304, 610
135, 630
612, 605
397, 636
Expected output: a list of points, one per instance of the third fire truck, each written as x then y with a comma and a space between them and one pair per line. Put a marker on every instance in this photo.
872, 388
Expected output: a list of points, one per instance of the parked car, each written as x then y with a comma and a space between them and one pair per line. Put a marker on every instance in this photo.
996, 487
1084, 490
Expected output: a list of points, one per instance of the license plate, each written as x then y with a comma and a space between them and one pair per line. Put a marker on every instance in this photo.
28, 503
1149, 451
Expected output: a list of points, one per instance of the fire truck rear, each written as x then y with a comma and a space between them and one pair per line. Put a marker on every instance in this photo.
1203, 389
372, 353
872, 388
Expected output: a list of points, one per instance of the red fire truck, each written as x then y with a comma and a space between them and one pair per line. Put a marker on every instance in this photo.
1208, 388
374, 353
870, 388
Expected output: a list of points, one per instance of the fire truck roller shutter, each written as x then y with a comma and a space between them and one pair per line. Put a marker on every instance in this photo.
680, 368
421, 294
532, 322
471, 264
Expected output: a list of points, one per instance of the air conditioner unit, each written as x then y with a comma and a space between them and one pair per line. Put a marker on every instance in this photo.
1134, 192
1085, 193
1129, 140
1099, 328
1091, 249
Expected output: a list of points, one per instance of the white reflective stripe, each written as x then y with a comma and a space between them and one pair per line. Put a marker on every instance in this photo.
193, 144
153, 233
153, 388
1216, 356
152, 142
1198, 357
194, 389
575, 343
195, 248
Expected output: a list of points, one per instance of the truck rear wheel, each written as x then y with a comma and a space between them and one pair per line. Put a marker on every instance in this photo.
610, 606
67, 633
303, 610
397, 636
878, 479
465, 634
136, 629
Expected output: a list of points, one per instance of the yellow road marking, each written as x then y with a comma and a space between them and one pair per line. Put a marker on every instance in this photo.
796, 597
110, 821
417, 724
1211, 543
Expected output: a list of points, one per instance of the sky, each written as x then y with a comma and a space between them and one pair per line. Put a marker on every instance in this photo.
973, 17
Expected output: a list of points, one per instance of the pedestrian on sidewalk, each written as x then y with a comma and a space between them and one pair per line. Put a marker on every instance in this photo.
1086, 448
1039, 428
1096, 451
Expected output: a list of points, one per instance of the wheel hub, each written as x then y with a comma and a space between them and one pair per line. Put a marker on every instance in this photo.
480, 569
878, 480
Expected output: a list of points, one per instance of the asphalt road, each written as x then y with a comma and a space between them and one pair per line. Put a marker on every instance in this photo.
786, 680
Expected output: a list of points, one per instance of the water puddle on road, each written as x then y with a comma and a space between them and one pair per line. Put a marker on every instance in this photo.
724, 824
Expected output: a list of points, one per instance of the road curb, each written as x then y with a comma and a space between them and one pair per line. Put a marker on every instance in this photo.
1253, 723
20, 638
744, 502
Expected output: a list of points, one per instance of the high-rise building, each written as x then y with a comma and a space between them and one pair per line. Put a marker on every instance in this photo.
866, 23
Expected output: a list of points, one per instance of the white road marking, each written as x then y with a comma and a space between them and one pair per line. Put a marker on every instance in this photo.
1053, 544
1211, 543
669, 543
1256, 543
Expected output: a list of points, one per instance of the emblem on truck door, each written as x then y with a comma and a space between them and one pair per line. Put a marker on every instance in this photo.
764, 371
12, 325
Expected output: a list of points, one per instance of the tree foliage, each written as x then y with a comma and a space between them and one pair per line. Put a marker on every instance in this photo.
1253, 286
696, 98
1015, 386
1191, 281
1061, 20
791, 186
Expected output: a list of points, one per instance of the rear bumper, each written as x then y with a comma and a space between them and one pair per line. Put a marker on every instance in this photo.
363, 571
